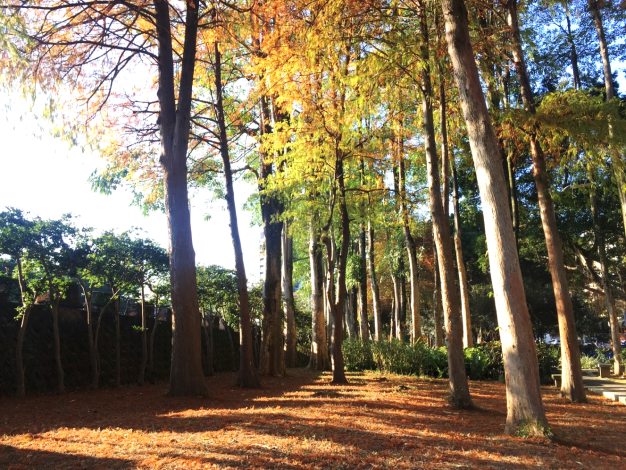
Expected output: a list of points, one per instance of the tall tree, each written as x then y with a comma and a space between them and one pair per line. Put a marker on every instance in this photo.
524, 403
572, 380
459, 388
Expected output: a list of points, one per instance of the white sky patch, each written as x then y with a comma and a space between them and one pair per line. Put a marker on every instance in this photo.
43, 176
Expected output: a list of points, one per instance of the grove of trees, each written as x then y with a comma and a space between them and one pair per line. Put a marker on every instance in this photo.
357, 122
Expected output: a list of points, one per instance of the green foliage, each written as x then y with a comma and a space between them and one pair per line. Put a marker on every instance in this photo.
357, 355
395, 357
549, 358
476, 363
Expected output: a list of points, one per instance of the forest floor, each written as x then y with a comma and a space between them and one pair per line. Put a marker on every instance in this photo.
301, 421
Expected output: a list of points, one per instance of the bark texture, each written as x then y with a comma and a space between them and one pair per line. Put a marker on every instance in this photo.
291, 353
468, 338
248, 377
319, 359
459, 388
373, 283
571, 376
524, 403
186, 377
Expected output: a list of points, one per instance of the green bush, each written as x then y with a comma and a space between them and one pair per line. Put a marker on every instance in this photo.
396, 357
493, 356
476, 364
549, 358
357, 355
588, 362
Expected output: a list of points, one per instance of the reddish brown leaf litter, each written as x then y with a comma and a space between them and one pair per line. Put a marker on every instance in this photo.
301, 421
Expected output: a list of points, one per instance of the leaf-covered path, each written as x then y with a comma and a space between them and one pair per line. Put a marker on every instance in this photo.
301, 421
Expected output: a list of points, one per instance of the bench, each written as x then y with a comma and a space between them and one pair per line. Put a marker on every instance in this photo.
604, 370
557, 380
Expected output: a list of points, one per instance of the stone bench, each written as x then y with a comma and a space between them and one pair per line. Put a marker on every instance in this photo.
557, 380
604, 370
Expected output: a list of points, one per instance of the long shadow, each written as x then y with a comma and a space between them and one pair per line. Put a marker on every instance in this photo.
41, 459
115, 409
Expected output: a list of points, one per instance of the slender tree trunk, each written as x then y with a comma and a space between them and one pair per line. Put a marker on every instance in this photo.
291, 352
609, 302
437, 318
210, 346
395, 318
26, 309
572, 380
617, 166
21, 388
319, 346
513, 195
573, 53
54, 302
144, 337
363, 322
468, 340
186, 375
247, 374
524, 402
373, 283
411, 248
93, 354
152, 336
337, 303
118, 344
459, 388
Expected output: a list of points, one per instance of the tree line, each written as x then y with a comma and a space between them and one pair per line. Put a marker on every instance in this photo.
357, 121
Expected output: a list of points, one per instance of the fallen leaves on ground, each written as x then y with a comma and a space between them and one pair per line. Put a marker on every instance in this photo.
302, 421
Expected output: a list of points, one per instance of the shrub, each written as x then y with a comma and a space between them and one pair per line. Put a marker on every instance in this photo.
476, 364
588, 362
549, 358
435, 362
357, 355
396, 357
493, 357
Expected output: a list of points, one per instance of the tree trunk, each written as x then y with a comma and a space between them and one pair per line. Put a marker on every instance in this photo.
144, 337
468, 340
93, 354
395, 317
609, 303
459, 388
437, 319
411, 248
513, 194
54, 302
363, 322
571, 377
524, 404
350, 312
373, 282
118, 344
573, 53
319, 347
291, 340
210, 345
272, 350
617, 166
26, 309
337, 303
247, 375
152, 336
186, 376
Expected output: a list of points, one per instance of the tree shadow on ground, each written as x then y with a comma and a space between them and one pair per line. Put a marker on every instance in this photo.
16, 458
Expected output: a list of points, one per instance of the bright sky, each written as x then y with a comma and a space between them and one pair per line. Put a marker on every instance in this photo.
43, 176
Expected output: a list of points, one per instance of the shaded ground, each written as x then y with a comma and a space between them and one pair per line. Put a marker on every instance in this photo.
301, 421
